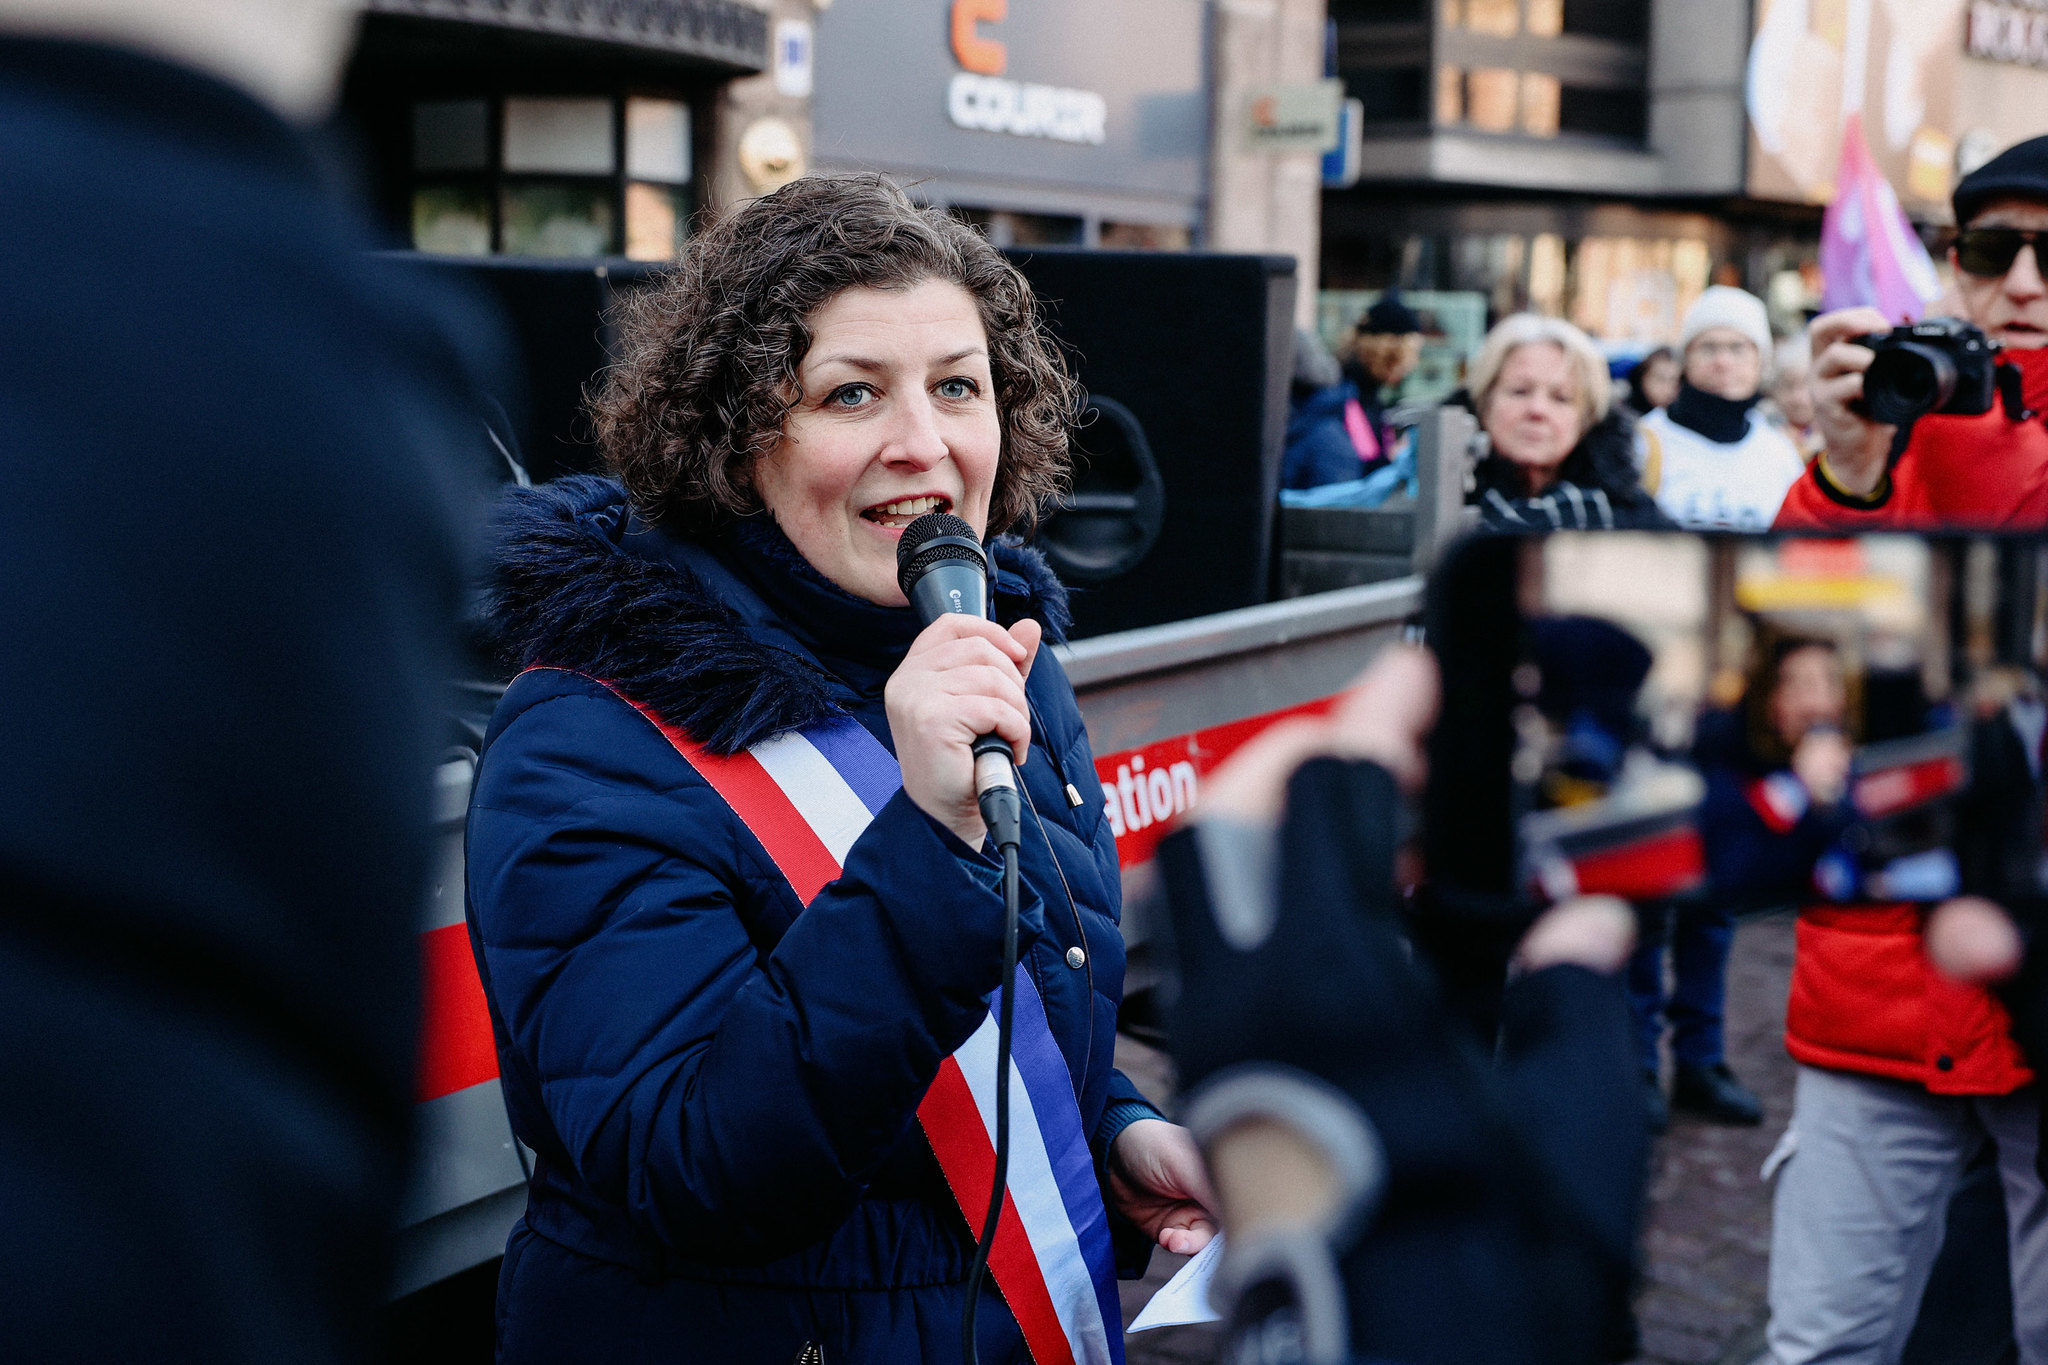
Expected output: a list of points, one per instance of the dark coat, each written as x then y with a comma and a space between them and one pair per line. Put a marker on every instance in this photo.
1598, 488
232, 564
1319, 449
720, 1084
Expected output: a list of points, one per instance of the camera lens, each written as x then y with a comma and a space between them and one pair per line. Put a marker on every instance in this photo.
1907, 382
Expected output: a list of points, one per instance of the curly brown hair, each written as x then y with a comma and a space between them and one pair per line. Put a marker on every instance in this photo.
708, 354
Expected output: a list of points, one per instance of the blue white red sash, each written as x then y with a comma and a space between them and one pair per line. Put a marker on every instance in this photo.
807, 796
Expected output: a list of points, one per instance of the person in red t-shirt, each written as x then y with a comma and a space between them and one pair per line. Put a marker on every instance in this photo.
1984, 472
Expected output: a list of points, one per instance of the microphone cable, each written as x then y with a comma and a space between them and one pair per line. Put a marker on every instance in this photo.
1005, 1018
943, 569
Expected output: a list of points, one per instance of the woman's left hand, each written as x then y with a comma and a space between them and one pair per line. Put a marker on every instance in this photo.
1158, 1181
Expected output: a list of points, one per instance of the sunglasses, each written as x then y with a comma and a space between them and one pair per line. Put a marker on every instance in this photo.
1990, 251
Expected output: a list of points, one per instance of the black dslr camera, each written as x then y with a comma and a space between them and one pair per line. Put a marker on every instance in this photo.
1936, 365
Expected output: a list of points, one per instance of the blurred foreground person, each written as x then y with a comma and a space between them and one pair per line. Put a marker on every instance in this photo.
735, 907
1713, 461
1947, 470
229, 548
1559, 455
1394, 1187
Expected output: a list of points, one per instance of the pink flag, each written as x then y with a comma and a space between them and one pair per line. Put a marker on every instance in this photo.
1869, 253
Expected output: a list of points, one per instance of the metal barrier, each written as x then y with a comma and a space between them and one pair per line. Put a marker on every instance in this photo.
1194, 689
1325, 548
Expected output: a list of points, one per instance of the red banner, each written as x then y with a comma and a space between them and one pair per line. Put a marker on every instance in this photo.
1145, 789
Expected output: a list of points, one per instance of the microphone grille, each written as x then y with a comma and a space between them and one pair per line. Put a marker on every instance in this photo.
916, 553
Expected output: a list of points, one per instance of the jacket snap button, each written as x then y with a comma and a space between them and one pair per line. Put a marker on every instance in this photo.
1076, 958
1945, 1063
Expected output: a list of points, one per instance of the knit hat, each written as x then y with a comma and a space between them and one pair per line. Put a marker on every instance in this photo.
1390, 317
2020, 172
1722, 306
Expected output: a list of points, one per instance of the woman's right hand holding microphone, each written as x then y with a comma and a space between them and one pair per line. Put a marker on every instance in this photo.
963, 677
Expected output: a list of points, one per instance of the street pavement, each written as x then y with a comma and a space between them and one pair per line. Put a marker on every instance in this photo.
1707, 1243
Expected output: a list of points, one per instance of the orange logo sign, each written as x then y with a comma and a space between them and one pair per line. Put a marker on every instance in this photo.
982, 56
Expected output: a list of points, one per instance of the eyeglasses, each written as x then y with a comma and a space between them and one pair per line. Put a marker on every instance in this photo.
1990, 251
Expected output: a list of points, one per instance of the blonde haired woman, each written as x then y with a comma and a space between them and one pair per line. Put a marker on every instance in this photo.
1557, 454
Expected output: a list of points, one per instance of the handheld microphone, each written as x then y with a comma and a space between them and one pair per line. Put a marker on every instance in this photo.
942, 569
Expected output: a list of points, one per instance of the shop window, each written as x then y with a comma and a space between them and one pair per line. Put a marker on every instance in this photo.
565, 136
1006, 228
1619, 113
576, 176
1145, 236
1547, 274
658, 176
1493, 99
556, 218
452, 220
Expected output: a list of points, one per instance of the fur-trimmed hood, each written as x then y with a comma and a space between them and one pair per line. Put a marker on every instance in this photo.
575, 580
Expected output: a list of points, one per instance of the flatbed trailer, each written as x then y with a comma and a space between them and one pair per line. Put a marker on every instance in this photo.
1164, 705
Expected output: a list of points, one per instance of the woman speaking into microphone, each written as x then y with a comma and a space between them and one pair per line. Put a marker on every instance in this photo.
737, 916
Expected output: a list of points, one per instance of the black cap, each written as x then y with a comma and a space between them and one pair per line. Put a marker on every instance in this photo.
2018, 172
1390, 317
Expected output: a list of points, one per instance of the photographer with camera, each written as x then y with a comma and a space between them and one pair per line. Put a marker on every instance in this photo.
1938, 425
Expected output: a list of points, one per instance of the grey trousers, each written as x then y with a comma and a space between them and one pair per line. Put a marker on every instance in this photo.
1861, 1206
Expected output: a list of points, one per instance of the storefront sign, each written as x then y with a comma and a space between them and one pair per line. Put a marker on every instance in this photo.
1294, 118
1092, 102
2008, 31
724, 31
995, 105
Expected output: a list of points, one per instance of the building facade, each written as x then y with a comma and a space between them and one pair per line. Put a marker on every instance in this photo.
1605, 160
552, 128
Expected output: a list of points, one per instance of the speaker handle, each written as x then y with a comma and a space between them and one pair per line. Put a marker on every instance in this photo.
1129, 518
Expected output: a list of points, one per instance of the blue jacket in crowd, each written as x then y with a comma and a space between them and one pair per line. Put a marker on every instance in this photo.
720, 1084
1319, 449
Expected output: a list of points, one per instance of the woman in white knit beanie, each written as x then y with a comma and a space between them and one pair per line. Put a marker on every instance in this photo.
1712, 461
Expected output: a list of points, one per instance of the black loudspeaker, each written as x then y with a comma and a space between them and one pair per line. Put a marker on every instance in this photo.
1186, 358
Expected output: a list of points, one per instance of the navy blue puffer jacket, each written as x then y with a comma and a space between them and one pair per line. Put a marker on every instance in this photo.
721, 1084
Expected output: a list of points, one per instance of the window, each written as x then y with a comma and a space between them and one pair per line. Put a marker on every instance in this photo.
571, 176
1540, 95
1493, 99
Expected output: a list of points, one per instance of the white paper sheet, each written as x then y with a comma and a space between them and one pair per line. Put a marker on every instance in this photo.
1185, 1297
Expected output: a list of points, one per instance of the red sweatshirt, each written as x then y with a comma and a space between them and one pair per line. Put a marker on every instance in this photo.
1982, 472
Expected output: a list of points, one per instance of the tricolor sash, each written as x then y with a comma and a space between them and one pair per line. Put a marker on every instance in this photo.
806, 796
